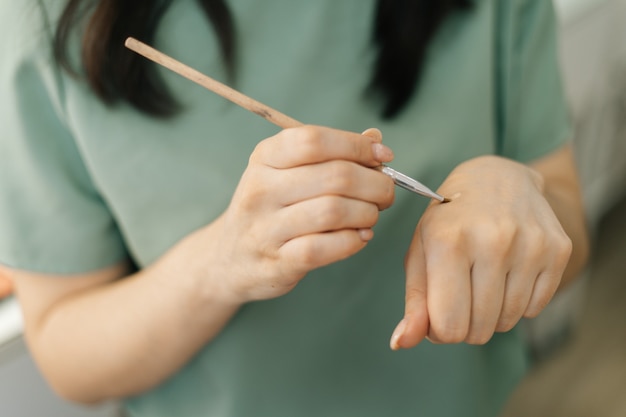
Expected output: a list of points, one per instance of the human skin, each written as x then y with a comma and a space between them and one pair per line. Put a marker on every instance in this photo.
511, 236
318, 185
308, 198
6, 285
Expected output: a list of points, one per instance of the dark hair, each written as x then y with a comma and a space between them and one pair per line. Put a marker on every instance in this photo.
401, 33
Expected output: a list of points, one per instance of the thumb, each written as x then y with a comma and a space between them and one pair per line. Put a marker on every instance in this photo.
373, 133
414, 327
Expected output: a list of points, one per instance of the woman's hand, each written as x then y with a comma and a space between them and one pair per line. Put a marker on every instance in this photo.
477, 265
308, 198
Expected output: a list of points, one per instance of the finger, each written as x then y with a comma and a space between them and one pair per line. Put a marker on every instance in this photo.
517, 293
549, 279
312, 251
414, 326
449, 291
488, 282
373, 133
315, 144
381, 152
519, 284
543, 291
340, 178
324, 214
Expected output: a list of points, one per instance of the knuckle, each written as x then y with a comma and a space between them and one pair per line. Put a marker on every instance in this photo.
537, 306
453, 337
496, 237
450, 333
508, 229
260, 149
330, 213
532, 312
414, 294
251, 197
513, 307
368, 216
557, 244
374, 215
361, 150
508, 319
478, 338
307, 139
563, 248
308, 255
339, 177
388, 196
506, 324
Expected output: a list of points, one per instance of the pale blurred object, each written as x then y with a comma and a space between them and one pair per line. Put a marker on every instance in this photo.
572, 9
11, 322
10, 315
593, 59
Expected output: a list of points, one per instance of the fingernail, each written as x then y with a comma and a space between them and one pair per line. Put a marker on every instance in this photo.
397, 334
374, 133
381, 152
366, 234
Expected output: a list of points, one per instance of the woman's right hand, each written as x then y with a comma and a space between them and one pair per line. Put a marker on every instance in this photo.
308, 198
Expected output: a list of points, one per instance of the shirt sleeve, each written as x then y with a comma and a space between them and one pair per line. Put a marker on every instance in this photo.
52, 218
533, 117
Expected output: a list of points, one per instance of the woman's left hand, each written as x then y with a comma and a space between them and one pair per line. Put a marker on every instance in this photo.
478, 264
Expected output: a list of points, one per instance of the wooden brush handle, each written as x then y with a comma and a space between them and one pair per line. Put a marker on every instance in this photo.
248, 103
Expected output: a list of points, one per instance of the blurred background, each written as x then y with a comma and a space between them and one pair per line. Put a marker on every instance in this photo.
579, 342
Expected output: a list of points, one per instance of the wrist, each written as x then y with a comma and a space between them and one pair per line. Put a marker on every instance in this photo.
195, 266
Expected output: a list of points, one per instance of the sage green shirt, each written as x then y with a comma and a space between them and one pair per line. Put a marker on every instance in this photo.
83, 186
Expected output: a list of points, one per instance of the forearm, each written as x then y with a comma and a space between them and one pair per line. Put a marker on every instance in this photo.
96, 336
562, 191
124, 337
567, 209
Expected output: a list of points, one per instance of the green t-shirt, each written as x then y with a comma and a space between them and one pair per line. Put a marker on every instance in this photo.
83, 186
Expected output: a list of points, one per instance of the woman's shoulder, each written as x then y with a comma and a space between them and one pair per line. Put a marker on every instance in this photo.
28, 71
29, 15
27, 26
